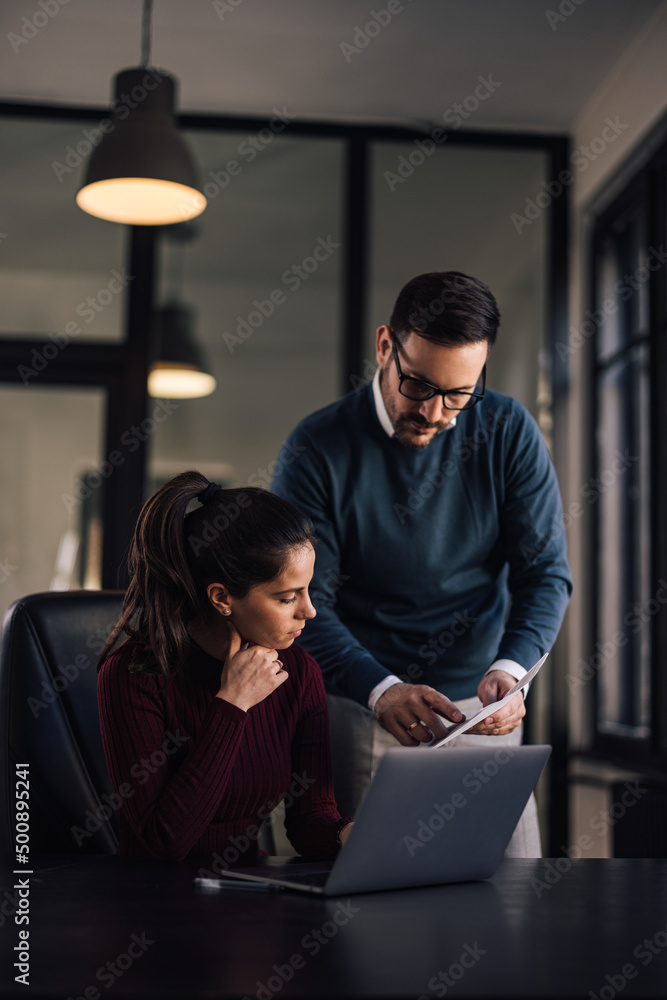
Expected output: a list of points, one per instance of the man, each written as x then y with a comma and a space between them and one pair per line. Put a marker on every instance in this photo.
441, 574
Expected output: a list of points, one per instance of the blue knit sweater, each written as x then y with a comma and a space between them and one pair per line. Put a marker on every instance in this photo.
431, 563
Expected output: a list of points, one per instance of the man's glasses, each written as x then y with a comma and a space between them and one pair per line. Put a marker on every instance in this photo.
415, 388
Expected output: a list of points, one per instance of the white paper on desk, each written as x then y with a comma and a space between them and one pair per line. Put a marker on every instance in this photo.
484, 713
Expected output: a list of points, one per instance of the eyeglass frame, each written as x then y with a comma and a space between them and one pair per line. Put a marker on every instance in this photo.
435, 390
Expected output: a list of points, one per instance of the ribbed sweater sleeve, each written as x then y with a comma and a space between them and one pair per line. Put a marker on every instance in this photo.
168, 812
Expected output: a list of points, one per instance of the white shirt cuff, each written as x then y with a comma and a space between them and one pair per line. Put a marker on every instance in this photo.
513, 668
509, 666
380, 689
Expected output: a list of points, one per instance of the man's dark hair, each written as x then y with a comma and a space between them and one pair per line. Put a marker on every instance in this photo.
446, 307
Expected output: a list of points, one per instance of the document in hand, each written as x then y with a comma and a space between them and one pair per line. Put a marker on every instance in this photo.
484, 713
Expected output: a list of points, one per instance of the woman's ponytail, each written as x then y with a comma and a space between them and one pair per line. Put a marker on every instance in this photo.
162, 596
237, 537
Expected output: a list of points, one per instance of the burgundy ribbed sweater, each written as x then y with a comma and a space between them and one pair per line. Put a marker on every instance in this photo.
193, 771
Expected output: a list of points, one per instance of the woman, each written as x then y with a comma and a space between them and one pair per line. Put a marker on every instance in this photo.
209, 712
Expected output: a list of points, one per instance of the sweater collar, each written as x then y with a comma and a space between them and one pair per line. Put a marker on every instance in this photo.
381, 409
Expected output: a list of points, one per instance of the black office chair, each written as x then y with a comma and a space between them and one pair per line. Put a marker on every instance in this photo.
49, 721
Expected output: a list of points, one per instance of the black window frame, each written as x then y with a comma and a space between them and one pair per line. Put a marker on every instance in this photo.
642, 188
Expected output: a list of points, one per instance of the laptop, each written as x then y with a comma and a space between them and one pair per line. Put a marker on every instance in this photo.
427, 819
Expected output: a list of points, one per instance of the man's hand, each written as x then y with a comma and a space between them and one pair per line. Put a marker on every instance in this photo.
493, 687
408, 711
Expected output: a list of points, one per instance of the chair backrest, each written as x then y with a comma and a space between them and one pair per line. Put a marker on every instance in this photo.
49, 721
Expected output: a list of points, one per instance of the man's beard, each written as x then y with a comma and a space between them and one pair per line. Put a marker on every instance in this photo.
405, 432
401, 423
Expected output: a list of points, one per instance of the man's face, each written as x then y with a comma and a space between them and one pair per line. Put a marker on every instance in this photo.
416, 423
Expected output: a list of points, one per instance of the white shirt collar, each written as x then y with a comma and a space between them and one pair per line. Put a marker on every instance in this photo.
381, 409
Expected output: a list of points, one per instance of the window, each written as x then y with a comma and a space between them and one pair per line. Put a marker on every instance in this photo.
627, 489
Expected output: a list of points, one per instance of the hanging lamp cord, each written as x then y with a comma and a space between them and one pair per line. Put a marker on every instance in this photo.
146, 32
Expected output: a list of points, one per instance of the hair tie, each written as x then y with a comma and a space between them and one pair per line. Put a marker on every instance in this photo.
208, 492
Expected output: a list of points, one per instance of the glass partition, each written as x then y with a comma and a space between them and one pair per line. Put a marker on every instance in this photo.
51, 440
452, 210
62, 269
262, 269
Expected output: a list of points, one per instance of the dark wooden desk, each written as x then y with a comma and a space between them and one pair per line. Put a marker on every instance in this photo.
136, 929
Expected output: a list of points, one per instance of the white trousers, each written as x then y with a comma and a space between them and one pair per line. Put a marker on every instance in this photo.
358, 742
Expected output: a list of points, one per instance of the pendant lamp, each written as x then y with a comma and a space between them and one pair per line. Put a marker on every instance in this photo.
142, 173
179, 372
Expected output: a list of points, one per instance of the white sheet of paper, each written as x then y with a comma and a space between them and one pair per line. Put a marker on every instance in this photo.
484, 713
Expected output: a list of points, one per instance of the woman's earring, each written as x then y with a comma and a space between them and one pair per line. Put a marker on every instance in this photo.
226, 611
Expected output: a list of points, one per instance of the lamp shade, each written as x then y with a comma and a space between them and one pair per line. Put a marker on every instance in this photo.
141, 173
179, 371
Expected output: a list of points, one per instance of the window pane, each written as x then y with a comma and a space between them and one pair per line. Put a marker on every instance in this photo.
455, 212
50, 527
624, 267
627, 606
62, 269
263, 273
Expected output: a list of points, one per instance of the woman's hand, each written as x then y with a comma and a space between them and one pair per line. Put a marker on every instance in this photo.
249, 674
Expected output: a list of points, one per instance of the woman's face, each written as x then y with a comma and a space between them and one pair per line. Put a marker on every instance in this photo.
272, 614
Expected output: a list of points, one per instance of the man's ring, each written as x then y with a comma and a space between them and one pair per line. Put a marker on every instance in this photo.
413, 726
